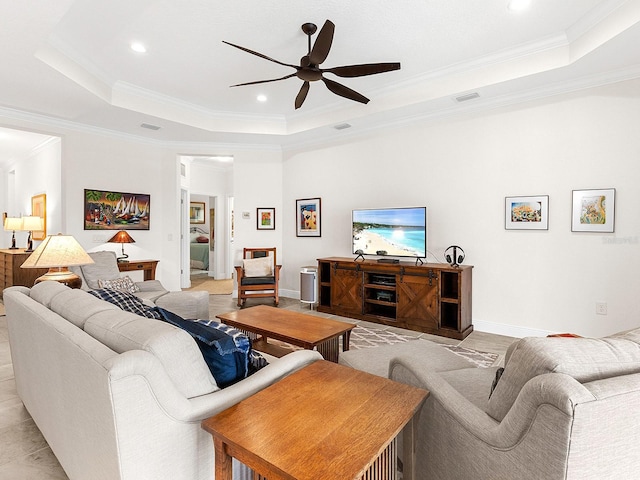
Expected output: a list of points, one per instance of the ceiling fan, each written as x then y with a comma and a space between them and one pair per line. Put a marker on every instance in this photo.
309, 69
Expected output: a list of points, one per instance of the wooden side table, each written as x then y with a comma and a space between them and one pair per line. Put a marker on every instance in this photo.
323, 422
147, 266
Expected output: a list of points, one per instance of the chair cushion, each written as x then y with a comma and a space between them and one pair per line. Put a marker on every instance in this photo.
585, 359
258, 281
258, 267
105, 267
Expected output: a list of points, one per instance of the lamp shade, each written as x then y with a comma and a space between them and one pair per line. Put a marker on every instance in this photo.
57, 252
12, 223
121, 237
32, 224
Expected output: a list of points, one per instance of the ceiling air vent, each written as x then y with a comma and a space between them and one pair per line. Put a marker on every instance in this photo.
342, 126
468, 96
150, 126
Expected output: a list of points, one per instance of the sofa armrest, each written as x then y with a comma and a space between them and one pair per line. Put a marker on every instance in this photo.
141, 376
558, 391
151, 286
208, 405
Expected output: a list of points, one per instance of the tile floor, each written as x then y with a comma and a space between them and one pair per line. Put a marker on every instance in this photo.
24, 453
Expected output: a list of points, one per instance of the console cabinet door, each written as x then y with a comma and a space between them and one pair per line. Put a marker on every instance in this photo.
346, 290
417, 302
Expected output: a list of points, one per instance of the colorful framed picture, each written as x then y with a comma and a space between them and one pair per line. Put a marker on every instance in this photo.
116, 211
593, 210
526, 213
266, 218
196, 212
39, 209
308, 217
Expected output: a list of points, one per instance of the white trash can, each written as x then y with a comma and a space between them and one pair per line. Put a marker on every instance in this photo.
309, 285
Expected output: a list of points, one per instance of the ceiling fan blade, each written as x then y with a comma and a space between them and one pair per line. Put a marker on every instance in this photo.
343, 91
302, 94
263, 81
363, 70
261, 55
322, 44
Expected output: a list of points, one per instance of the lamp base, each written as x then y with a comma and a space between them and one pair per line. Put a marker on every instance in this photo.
61, 275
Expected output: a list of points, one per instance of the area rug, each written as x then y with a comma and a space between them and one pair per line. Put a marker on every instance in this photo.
362, 337
214, 287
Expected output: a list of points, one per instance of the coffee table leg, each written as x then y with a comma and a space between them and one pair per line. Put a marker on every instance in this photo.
224, 469
346, 336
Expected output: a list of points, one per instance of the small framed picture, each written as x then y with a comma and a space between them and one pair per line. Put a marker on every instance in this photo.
308, 219
266, 218
593, 210
196, 212
527, 213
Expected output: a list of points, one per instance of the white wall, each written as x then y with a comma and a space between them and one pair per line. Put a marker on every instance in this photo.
523, 281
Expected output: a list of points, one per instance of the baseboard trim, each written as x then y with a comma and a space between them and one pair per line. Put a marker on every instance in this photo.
516, 331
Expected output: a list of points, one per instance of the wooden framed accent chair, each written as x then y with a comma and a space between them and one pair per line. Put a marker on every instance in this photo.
258, 275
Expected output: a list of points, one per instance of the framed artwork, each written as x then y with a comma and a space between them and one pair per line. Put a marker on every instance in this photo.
39, 209
308, 217
526, 213
104, 210
266, 218
196, 212
593, 210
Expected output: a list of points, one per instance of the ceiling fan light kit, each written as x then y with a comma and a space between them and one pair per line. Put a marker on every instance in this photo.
309, 69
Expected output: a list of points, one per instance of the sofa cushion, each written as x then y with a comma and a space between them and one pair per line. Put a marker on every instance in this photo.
258, 267
105, 267
123, 283
44, 292
77, 306
175, 349
585, 359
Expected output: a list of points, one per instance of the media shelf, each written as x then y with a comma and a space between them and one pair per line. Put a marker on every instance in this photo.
430, 298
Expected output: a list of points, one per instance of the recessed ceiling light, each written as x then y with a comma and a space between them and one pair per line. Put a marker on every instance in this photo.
138, 47
261, 98
518, 5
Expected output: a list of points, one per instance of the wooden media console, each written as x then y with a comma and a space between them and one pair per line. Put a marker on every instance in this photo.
431, 298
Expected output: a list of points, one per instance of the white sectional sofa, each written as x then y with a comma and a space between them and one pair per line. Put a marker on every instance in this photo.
119, 396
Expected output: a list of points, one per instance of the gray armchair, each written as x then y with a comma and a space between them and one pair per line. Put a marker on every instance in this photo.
105, 268
564, 408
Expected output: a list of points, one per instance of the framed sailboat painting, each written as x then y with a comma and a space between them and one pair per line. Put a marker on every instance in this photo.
116, 210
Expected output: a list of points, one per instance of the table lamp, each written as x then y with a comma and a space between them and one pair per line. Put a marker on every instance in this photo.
31, 224
122, 237
57, 253
11, 223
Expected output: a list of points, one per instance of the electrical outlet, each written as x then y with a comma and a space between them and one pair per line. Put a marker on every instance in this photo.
601, 308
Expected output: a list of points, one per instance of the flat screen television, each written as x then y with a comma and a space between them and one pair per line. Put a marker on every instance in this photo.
400, 232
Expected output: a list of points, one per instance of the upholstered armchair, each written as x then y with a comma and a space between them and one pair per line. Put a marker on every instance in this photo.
258, 275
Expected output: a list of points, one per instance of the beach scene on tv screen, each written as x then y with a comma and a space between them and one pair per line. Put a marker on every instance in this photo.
398, 231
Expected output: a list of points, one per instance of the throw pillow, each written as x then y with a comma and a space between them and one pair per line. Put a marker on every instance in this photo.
124, 284
202, 239
258, 267
126, 301
226, 350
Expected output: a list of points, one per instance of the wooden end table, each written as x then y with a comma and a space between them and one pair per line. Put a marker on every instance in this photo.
307, 331
323, 422
148, 267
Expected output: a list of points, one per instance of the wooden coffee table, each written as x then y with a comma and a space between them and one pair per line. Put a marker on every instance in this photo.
300, 329
323, 422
